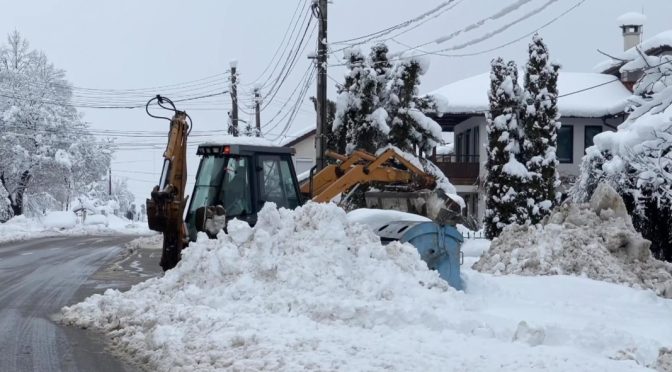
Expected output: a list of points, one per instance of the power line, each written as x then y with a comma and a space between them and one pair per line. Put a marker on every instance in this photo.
441, 54
287, 69
282, 41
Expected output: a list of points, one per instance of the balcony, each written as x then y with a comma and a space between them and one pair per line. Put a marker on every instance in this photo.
460, 169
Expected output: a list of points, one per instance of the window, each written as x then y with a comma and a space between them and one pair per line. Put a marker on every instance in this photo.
590, 132
565, 144
474, 158
276, 182
467, 141
458, 149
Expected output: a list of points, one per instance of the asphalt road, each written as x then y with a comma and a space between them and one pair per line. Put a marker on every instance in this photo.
38, 277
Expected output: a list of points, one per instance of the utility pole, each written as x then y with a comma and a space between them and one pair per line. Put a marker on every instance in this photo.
109, 181
234, 100
257, 111
320, 11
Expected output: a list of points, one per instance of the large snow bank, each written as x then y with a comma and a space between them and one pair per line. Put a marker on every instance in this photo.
67, 223
305, 289
60, 220
596, 240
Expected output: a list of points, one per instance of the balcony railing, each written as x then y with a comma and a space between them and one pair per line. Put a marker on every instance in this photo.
460, 169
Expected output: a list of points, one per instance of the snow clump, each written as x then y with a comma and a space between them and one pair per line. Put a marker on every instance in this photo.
596, 240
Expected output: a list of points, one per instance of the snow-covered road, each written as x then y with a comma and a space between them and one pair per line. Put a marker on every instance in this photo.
39, 277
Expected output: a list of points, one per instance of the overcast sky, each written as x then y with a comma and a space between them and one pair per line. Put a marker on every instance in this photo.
128, 44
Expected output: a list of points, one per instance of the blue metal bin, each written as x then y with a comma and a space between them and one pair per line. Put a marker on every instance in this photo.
439, 246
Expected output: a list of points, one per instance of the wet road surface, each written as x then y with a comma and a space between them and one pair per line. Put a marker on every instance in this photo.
38, 277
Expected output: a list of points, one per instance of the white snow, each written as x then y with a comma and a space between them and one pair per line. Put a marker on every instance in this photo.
662, 39
595, 240
240, 140
379, 120
60, 220
67, 223
96, 219
470, 95
631, 19
445, 149
376, 218
305, 289
63, 158
515, 168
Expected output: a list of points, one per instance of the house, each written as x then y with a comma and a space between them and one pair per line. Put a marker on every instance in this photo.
584, 113
303, 142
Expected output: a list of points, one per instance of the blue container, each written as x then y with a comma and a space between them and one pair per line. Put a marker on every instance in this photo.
439, 246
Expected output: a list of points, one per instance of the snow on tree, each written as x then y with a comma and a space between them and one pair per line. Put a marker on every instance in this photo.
637, 159
41, 134
538, 121
506, 176
357, 106
410, 127
5, 206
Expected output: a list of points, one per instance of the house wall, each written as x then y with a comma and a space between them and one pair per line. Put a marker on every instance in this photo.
304, 159
566, 170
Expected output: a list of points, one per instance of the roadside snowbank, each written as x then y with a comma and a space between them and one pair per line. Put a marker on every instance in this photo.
67, 223
306, 289
596, 240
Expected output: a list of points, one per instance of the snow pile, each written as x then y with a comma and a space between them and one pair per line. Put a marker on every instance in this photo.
267, 295
60, 223
305, 289
596, 240
60, 220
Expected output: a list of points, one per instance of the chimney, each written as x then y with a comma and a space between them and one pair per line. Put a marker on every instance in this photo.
632, 25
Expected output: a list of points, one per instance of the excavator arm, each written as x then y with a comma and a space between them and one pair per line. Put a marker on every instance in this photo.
388, 168
165, 208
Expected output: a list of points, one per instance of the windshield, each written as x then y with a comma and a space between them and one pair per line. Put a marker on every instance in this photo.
222, 181
276, 182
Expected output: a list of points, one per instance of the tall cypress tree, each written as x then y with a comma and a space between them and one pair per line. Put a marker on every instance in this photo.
539, 114
357, 100
505, 201
410, 127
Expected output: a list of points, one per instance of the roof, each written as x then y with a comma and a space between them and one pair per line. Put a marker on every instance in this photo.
222, 148
298, 136
651, 46
469, 96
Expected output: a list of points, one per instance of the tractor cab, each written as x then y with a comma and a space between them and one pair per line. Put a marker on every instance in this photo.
235, 180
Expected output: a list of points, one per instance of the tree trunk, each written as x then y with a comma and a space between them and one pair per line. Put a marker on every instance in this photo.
17, 197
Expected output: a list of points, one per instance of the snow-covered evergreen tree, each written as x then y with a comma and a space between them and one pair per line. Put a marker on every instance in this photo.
539, 124
637, 159
506, 176
358, 110
410, 127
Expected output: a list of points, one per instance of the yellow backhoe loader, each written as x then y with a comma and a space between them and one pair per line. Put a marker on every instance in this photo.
234, 180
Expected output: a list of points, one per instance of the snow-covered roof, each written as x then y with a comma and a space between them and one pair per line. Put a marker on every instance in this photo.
297, 136
470, 95
631, 19
663, 39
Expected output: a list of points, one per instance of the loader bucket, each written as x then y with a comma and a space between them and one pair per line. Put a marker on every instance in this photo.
438, 245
